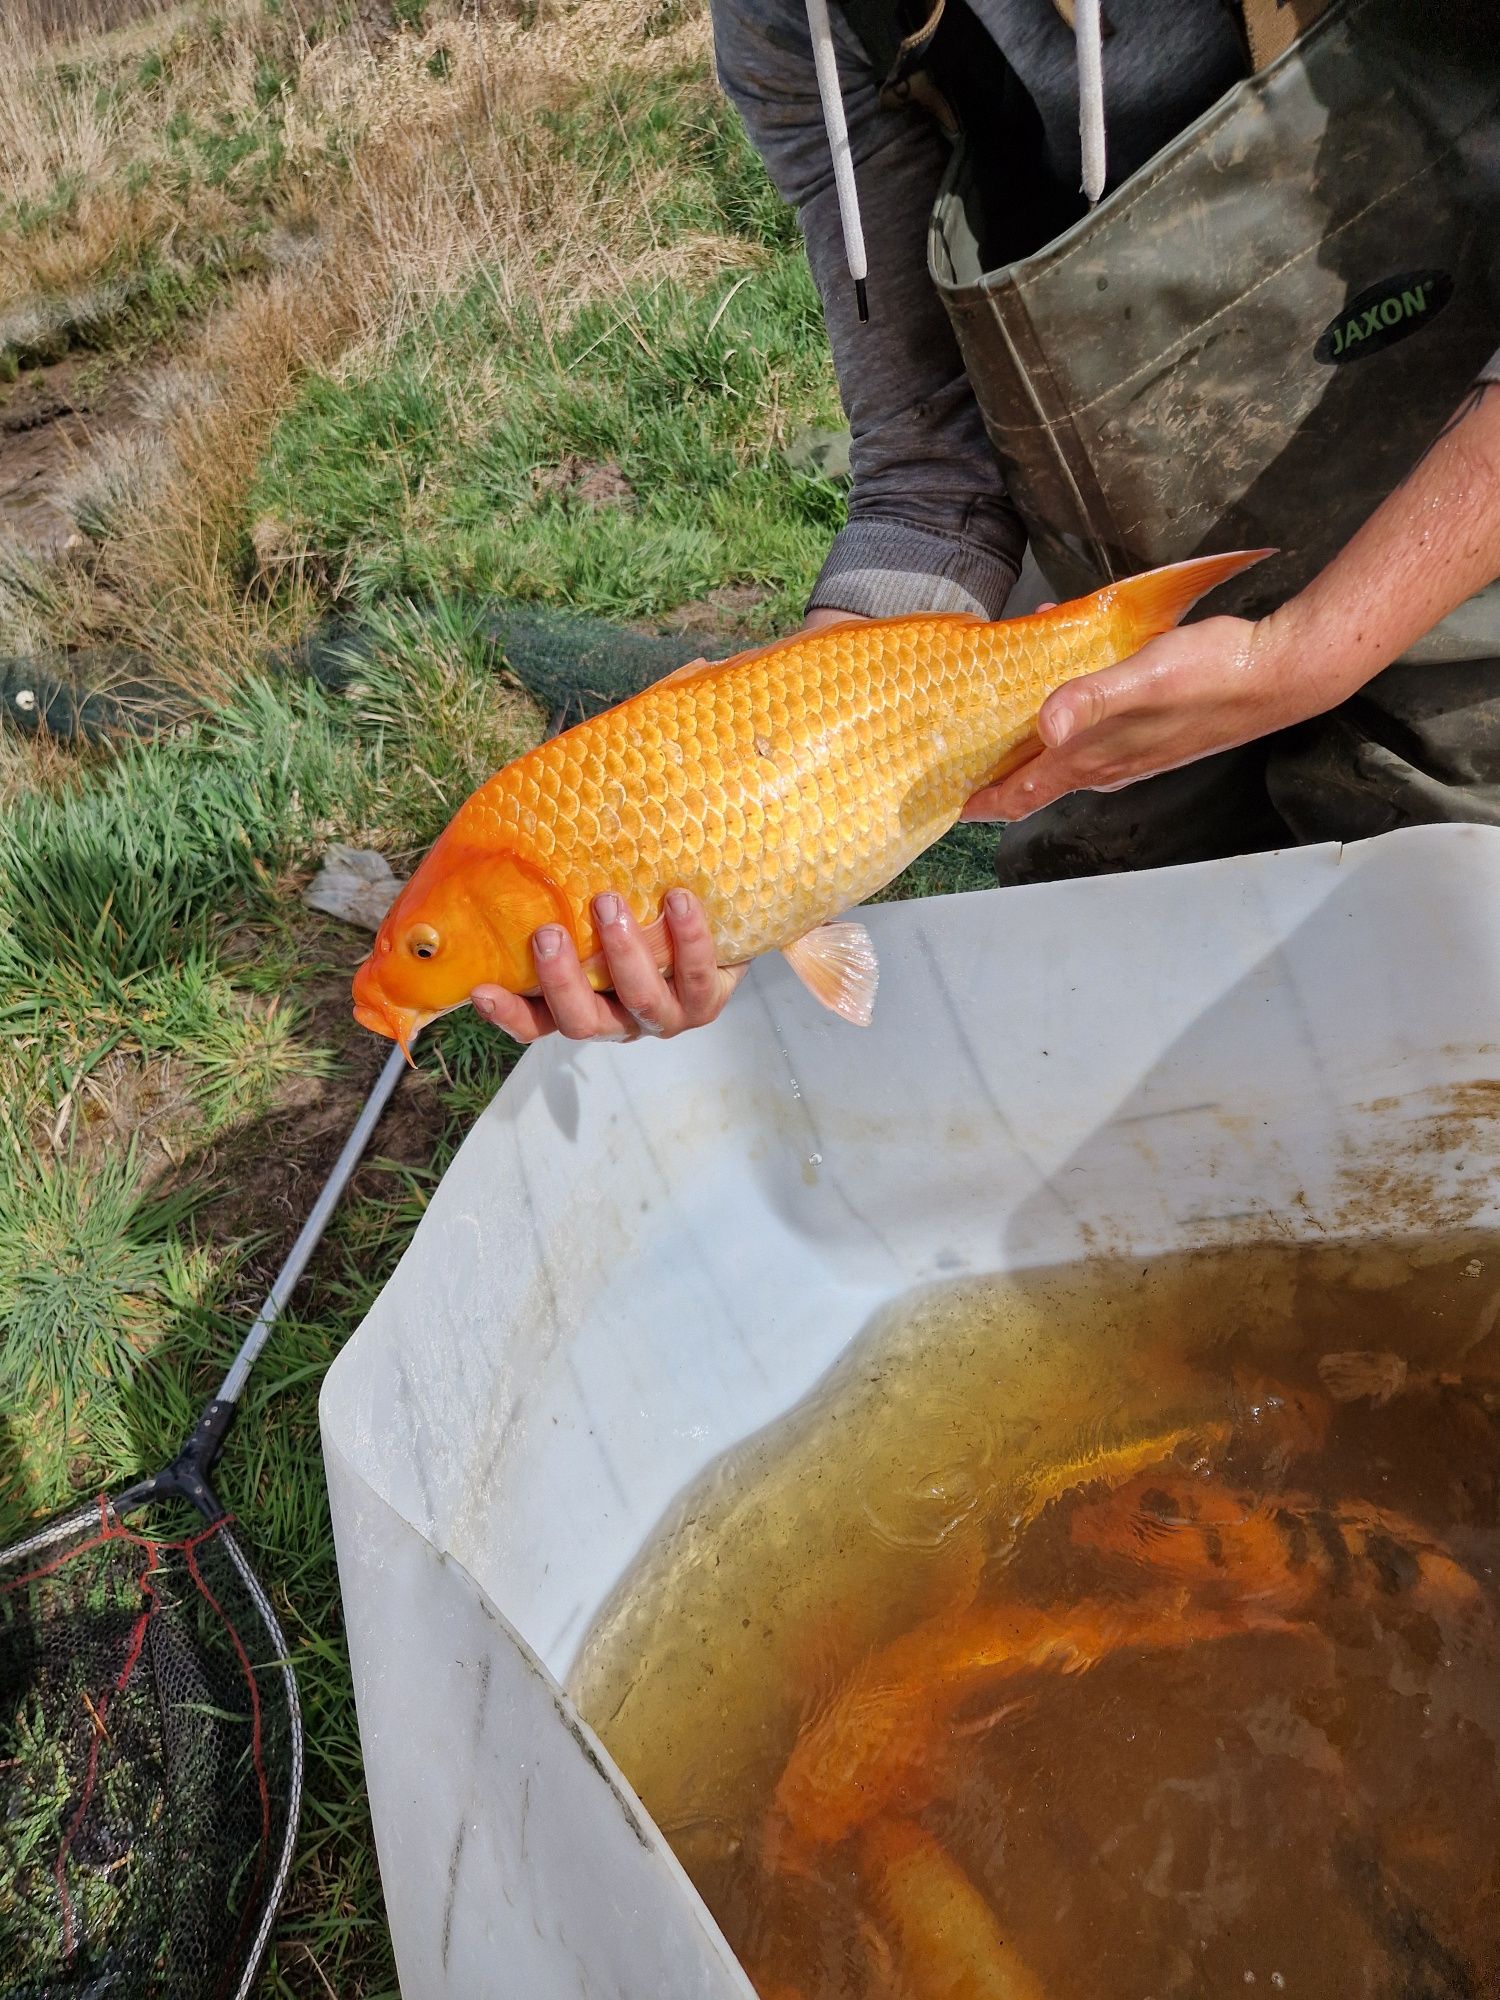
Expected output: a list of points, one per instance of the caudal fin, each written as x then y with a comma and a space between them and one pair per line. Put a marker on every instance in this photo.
1156, 601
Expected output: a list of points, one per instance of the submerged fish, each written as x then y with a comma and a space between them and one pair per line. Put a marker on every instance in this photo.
1362, 1374
1270, 1421
949, 1942
1283, 1553
876, 1744
781, 786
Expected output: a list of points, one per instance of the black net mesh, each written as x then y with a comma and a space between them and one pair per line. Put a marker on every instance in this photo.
150, 1763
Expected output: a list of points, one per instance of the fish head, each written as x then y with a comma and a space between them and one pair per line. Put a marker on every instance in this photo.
1178, 1526
462, 921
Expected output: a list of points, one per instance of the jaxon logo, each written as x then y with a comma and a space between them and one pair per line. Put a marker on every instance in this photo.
1382, 314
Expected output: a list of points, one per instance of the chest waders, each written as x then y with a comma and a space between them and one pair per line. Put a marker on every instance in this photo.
1249, 343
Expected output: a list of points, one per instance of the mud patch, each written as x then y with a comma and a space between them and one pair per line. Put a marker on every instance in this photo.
125, 1100
266, 1175
583, 482
52, 420
1436, 1171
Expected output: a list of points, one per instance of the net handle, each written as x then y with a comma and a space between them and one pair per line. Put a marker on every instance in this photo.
310, 1234
188, 1476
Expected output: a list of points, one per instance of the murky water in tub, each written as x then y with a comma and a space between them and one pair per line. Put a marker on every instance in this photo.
1111, 1633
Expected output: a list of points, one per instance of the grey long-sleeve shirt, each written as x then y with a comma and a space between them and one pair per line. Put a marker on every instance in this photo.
930, 526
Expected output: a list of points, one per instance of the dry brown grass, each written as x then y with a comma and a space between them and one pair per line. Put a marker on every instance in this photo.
442, 172
71, 20
33, 764
108, 145
402, 128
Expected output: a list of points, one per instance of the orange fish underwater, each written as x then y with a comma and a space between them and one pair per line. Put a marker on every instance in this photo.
781, 787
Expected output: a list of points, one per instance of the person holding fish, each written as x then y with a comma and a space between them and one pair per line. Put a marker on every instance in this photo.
1267, 323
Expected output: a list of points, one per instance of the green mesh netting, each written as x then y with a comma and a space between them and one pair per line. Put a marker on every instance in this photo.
572, 667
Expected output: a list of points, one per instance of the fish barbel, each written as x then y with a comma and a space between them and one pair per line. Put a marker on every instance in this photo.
781, 786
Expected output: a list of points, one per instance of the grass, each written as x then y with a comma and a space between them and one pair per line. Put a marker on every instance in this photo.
415, 307
82, 1271
415, 478
156, 975
431, 464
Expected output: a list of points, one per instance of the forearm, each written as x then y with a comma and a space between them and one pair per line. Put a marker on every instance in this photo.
1224, 681
1430, 545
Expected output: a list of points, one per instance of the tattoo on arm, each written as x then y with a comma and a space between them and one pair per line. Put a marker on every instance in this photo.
1466, 408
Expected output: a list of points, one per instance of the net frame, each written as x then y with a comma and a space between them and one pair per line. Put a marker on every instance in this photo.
98, 1527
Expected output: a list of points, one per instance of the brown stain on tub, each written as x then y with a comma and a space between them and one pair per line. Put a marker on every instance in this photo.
1430, 1170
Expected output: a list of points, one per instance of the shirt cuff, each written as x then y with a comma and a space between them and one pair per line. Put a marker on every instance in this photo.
888, 569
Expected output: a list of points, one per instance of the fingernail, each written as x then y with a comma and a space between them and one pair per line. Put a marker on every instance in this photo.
679, 903
608, 909
484, 1006
1060, 726
548, 941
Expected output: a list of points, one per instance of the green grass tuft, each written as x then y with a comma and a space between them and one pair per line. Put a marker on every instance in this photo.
86, 1268
430, 702
140, 867
437, 471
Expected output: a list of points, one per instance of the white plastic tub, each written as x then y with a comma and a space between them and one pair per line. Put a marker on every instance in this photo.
643, 1254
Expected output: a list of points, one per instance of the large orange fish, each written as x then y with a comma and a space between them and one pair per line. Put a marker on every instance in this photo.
781, 786
875, 1745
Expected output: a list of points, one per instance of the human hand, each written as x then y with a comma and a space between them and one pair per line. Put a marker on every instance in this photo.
645, 1001
1184, 695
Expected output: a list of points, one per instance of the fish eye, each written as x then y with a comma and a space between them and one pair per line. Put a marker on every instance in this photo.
422, 941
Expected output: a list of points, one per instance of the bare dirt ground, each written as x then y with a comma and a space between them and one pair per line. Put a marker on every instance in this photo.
51, 420
267, 1173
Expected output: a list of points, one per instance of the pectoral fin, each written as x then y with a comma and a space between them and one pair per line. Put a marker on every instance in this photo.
1350, 1377
837, 965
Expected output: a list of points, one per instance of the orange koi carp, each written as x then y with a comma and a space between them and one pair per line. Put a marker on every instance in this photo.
949, 1944
1284, 1554
781, 786
874, 1747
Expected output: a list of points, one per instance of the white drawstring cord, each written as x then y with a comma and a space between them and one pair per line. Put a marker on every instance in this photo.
1089, 32
826, 63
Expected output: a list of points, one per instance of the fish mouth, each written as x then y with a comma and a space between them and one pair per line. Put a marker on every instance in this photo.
401, 1025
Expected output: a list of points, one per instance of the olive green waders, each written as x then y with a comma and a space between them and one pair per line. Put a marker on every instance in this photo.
1249, 343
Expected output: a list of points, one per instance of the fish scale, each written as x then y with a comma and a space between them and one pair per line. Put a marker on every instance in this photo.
798, 784
781, 787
